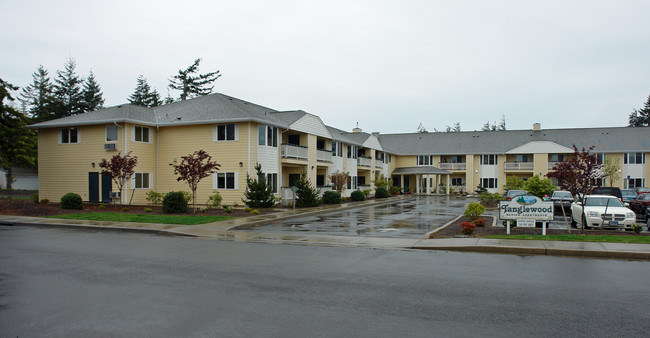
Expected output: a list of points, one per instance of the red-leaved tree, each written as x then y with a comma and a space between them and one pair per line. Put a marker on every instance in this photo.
193, 168
578, 174
120, 169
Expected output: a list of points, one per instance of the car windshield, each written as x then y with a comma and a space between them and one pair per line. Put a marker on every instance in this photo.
602, 201
645, 197
562, 194
628, 193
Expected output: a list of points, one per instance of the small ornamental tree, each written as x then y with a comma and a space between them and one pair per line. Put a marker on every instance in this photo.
340, 180
539, 187
193, 168
258, 193
306, 195
578, 174
119, 168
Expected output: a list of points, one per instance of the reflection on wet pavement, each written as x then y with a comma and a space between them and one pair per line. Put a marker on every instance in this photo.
406, 218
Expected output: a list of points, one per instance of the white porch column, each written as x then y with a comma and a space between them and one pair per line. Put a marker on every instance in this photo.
417, 183
401, 183
448, 181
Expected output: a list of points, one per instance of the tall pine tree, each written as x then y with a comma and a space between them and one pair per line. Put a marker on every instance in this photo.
67, 90
191, 83
38, 97
17, 144
92, 94
641, 117
143, 95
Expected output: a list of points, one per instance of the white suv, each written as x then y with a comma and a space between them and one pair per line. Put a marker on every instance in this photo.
601, 211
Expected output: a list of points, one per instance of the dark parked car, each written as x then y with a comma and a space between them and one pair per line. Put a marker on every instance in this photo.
639, 190
640, 203
611, 191
628, 194
562, 199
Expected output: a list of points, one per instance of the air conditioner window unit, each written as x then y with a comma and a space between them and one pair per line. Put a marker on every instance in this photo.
109, 146
115, 194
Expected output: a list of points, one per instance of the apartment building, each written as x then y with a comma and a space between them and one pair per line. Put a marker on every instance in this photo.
238, 134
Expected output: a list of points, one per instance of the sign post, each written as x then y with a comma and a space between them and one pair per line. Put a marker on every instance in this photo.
526, 209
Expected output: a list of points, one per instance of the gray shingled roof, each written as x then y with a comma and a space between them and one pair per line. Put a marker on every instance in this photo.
288, 117
214, 108
617, 139
123, 113
343, 136
420, 170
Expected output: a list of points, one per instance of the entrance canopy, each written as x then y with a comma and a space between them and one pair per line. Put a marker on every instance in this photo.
421, 170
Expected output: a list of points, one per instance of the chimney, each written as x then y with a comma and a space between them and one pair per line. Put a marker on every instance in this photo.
537, 126
357, 129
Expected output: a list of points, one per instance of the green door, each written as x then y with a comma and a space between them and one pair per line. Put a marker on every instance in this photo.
106, 188
93, 187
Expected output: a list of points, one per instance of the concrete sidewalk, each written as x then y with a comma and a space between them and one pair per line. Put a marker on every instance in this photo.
224, 230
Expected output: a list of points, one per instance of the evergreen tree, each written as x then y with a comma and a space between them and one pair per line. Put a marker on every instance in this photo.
143, 96
191, 84
92, 94
306, 195
38, 97
258, 193
641, 118
67, 90
17, 144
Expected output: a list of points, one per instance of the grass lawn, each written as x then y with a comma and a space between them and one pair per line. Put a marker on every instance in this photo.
579, 238
144, 218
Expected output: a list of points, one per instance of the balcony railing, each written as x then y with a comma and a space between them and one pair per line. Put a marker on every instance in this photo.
551, 165
519, 165
294, 151
453, 166
323, 155
363, 162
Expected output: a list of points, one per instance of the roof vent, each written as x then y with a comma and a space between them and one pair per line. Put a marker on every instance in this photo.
375, 133
537, 126
178, 118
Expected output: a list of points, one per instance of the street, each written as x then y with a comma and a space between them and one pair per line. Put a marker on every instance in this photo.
81, 283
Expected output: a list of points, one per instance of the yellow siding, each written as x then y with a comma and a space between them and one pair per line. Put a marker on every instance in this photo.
405, 161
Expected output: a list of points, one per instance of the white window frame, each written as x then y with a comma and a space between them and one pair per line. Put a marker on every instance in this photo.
490, 159
272, 181
215, 180
149, 181
117, 133
68, 132
134, 132
215, 132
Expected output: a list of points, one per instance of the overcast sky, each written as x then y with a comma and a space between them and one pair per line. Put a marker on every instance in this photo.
389, 65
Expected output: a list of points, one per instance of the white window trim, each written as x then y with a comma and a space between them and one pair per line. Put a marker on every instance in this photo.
68, 128
215, 132
133, 134
117, 133
215, 180
150, 181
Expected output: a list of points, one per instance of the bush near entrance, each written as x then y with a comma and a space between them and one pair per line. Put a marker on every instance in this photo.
381, 193
357, 195
331, 197
174, 202
71, 201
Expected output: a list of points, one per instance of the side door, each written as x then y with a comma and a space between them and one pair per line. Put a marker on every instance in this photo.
93, 187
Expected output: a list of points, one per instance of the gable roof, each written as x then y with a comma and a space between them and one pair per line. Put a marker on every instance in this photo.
540, 147
124, 113
304, 122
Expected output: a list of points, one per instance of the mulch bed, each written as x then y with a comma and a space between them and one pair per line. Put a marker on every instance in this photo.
453, 230
18, 207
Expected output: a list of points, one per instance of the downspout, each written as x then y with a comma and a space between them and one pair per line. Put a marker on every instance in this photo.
126, 186
248, 166
157, 154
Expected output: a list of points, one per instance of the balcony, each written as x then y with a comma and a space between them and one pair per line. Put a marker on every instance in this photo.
323, 155
364, 162
294, 151
551, 165
519, 165
453, 166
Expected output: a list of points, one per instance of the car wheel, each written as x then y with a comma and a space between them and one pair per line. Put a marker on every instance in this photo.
584, 222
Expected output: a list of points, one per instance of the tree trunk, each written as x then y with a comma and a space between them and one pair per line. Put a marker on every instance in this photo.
9, 178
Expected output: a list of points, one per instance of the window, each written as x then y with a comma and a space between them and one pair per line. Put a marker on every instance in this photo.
600, 158
272, 182
352, 183
337, 149
141, 134
489, 183
226, 132
457, 181
111, 133
361, 180
425, 160
634, 158
320, 144
635, 183
320, 180
142, 181
521, 158
69, 135
390, 158
458, 159
556, 158
267, 135
293, 139
226, 181
352, 151
489, 159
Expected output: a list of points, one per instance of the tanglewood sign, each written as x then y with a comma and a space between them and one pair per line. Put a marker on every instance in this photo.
526, 207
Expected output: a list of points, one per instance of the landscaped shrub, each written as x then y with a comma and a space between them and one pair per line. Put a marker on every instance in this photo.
395, 190
255, 212
467, 228
637, 228
71, 201
148, 210
154, 197
331, 197
102, 206
214, 200
174, 202
227, 209
366, 193
381, 193
474, 210
306, 195
489, 200
125, 209
357, 195
45, 201
247, 209
479, 222
35, 197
